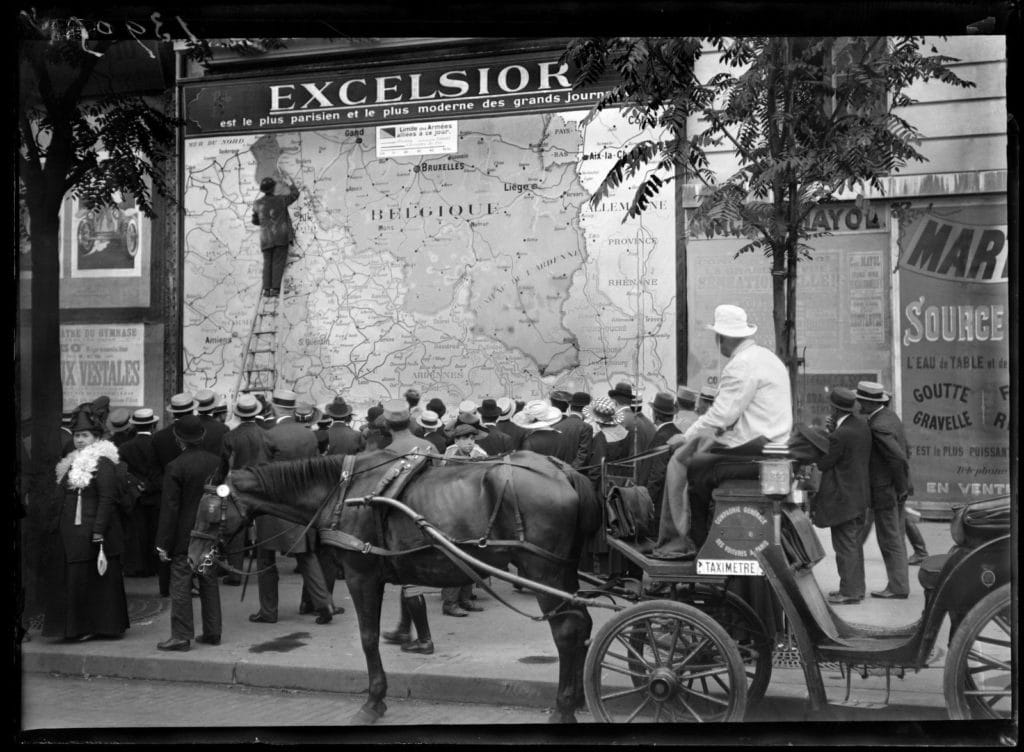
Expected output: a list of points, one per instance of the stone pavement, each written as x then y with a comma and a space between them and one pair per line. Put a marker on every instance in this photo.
495, 657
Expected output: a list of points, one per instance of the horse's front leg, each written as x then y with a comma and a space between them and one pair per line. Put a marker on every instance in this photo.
570, 630
366, 586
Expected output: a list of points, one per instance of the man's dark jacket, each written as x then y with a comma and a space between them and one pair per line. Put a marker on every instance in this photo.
184, 481
890, 465
844, 491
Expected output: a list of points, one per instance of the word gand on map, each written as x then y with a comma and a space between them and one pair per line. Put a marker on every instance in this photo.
415, 139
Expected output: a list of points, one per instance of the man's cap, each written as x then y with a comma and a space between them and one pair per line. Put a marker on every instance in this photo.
396, 410
489, 409
428, 419
119, 419
181, 404
731, 321
604, 412
306, 413
437, 405
507, 405
871, 391
338, 408
247, 406
560, 395
144, 416
465, 429
622, 389
843, 399
267, 184
206, 400
470, 419
579, 399
664, 402
686, 397
536, 414
284, 398
189, 429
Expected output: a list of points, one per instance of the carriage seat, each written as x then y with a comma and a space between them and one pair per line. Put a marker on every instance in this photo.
931, 568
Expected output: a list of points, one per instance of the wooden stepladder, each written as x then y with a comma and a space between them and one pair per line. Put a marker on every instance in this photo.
259, 366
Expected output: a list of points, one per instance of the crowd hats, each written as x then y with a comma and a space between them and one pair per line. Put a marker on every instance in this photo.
466, 429
436, 405
507, 406
119, 420
604, 412
622, 389
206, 400
489, 409
306, 413
374, 412
65, 417
338, 408
467, 406
285, 398
395, 410
708, 393
412, 396
843, 399
324, 421
189, 429
429, 420
871, 391
664, 402
181, 404
247, 406
731, 321
83, 420
579, 400
537, 414
267, 184
560, 396
220, 408
686, 398
144, 417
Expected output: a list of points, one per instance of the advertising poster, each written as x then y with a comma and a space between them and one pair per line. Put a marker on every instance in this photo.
107, 241
954, 351
102, 359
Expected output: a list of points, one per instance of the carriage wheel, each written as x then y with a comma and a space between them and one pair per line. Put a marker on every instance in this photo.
131, 238
978, 680
86, 235
663, 661
747, 631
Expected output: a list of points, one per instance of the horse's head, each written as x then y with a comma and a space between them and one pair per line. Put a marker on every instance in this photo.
220, 517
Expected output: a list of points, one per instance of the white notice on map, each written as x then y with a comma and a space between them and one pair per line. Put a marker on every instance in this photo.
414, 139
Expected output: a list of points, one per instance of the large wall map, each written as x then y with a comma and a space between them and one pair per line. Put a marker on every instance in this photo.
483, 272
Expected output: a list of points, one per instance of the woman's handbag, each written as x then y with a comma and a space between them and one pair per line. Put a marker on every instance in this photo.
101, 562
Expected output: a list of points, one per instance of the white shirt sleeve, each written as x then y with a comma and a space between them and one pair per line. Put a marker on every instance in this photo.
736, 389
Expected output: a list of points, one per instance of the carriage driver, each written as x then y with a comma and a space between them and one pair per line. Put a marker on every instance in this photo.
752, 408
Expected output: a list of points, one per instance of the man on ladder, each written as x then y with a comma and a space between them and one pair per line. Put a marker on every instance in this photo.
270, 213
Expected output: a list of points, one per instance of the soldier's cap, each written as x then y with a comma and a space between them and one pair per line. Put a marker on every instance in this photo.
396, 410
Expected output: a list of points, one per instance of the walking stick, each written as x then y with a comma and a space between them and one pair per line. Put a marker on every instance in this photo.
245, 578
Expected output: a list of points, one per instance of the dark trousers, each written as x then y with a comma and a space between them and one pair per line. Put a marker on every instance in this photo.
890, 532
454, 596
182, 626
913, 532
849, 556
329, 568
708, 469
274, 259
312, 579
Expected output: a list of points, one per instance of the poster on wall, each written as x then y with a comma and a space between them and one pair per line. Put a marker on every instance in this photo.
954, 351
107, 241
102, 359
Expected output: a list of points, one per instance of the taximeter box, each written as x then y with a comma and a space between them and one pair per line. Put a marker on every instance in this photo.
743, 522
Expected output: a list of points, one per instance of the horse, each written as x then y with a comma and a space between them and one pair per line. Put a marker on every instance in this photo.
537, 510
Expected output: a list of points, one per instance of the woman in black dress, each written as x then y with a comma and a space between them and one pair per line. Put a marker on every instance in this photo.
91, 601
611, 440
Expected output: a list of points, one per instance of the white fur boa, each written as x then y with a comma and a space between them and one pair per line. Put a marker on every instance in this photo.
82, 463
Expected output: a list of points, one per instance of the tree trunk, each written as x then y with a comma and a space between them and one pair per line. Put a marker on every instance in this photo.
779, 309
792, 358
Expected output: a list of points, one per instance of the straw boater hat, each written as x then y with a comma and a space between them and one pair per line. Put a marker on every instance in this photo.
843, 399
337, 409
306, 413
247, 406
507, 405
731, 321
467, 406
429, 419
144, 418
537, 414
119, 420
872, 391
206, 400
664, 402
181, 404
285, 398
604, 412
189, 429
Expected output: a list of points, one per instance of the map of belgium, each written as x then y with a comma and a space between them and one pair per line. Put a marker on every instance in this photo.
483, 272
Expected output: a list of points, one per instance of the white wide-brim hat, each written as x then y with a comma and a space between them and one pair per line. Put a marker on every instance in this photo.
537, 413
731, 321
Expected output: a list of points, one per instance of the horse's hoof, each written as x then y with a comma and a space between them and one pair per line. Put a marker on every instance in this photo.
368, 715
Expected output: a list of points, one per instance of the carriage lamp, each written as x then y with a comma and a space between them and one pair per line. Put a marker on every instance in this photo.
223, 490
776, 477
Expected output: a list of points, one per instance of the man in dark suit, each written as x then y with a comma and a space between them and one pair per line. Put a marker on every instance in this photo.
289, 440
164, 443
432, 429
121, 428
651, 472
341, 437
890, 485
140, 456
843, 493
67, 441
494, 442
576, 434
184, 482
504, 423
206, 403
538, 418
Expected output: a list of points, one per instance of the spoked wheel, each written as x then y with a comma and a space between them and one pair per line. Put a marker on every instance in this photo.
662, 661
978, 680
746, 629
